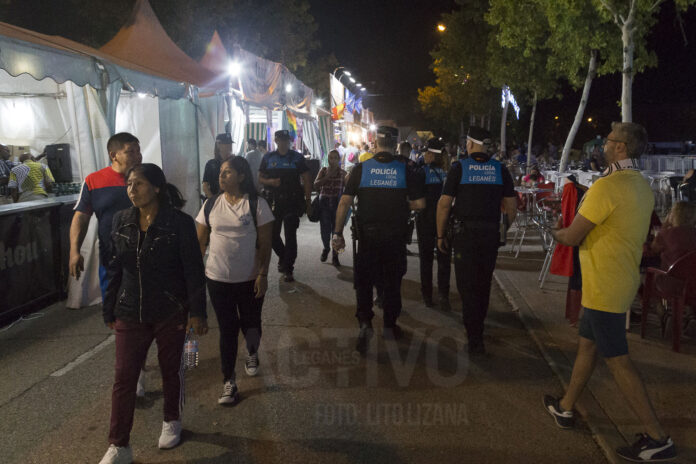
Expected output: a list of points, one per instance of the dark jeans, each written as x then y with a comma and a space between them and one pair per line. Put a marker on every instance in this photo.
235, 307
132, 343
376, 261
475, 252
287, 252
327, 219
427, 241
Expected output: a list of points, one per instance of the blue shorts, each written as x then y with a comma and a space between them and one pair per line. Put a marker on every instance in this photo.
607, 330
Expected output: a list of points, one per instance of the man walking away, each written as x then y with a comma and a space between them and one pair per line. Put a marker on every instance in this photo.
610, 227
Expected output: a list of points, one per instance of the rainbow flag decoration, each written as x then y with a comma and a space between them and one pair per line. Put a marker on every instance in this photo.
292, 124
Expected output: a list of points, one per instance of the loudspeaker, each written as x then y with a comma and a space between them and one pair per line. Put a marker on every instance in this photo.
58, 158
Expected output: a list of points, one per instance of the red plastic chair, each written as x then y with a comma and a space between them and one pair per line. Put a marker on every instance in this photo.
676, 285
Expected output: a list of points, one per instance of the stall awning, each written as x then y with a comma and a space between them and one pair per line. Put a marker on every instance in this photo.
143, 42
39, 55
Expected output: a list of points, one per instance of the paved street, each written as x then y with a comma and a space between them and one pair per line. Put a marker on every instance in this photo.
315, 401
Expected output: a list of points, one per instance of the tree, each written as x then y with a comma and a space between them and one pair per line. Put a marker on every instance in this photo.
519, 57
581, 46
460, 66
634, 18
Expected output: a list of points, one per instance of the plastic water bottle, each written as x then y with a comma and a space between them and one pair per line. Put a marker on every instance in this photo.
190, 351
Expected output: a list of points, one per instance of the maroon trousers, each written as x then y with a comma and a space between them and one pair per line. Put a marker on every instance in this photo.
132, 343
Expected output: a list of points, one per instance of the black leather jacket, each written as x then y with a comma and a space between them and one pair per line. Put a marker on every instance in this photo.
159, 279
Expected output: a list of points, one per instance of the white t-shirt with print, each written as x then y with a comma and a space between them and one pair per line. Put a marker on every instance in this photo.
232, 253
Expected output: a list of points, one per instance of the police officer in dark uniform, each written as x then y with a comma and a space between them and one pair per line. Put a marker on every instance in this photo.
211, 173
387, 188
479, 187
279, 174
432, 165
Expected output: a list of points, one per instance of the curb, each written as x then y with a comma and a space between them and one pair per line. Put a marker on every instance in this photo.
607, 437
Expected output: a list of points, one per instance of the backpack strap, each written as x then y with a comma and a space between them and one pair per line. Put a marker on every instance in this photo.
208, 207
253, 208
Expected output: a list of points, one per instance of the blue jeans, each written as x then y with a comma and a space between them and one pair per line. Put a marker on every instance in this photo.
103, 281
327, 219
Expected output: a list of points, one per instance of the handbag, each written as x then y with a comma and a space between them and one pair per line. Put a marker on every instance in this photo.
316, 210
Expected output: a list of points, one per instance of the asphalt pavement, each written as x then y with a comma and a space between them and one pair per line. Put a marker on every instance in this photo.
421, 399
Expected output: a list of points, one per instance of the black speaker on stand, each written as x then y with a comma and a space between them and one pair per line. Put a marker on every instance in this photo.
58, 158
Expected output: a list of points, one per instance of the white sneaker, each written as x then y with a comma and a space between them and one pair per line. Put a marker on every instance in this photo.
251, 366
229, 393
118, 455
140, 389
171, 434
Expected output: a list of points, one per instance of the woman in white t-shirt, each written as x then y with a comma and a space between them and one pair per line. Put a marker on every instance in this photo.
237, 265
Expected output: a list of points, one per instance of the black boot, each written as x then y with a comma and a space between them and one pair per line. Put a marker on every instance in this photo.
445, 303
324, 255
334, 260
364, 337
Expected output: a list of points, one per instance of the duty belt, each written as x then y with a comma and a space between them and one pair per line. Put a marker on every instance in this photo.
460, 226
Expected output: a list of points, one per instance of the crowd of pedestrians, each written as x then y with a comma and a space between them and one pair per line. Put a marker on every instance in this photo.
156, 262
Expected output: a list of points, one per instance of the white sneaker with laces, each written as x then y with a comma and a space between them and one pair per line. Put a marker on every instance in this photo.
118, 455
251, 365
171, 434
229, 393
140, 389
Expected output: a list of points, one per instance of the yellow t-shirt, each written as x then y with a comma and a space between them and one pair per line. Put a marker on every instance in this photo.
620, 206
365, 156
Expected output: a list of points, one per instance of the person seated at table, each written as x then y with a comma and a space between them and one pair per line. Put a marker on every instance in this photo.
677, 236
533, 178
688, 185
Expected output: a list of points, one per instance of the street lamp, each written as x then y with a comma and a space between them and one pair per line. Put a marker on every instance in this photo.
589, 119
234, 68
441, 27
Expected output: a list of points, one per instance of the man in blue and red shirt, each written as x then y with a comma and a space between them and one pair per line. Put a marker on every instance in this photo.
103, 193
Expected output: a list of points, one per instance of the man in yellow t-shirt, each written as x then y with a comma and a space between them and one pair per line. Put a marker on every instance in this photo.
610, 228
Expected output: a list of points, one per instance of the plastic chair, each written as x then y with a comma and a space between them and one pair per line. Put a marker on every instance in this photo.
676, 285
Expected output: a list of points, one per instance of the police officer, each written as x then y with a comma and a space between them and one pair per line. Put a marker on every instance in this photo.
433, 164
279, 174
386, 188
479, 186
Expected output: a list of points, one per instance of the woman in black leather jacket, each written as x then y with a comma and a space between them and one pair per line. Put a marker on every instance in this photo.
156, 291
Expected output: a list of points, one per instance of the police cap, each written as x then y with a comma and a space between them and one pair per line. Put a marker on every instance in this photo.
434, 145
224, 138
282, 134
479, 135
387, 132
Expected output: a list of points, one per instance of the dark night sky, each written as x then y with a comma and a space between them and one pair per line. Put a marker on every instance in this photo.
386, 45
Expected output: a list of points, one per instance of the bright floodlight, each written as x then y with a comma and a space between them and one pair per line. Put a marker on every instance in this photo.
234, 68
347, 73
441, 27
142, 95
288, 88
319, 102
352, 80
363, 89
373, 127
358, 84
